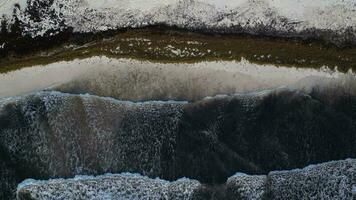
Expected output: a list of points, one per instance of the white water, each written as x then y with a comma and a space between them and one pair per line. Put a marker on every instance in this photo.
123, 186
7, 6
324, 14
94, 15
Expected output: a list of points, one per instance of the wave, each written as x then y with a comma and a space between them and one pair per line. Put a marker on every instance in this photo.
62, 135
332, 21
111, 186
318, 181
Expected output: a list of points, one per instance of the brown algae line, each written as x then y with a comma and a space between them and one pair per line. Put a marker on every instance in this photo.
171, 46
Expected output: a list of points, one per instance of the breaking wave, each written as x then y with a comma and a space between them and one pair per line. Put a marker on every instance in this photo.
62, 135
331, 180
332, 21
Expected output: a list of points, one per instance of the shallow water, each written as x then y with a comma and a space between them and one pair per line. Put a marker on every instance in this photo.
39, 77
174, 46
128, 79
164, 64
174, 105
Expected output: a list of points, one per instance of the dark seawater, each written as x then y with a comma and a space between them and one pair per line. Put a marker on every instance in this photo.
51, 134
204, 121
186, 89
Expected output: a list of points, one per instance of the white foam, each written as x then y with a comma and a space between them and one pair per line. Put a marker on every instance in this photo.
110, 186
94, 15
142, 5
7, 6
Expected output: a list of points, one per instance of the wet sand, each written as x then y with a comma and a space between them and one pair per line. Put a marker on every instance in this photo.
174, 46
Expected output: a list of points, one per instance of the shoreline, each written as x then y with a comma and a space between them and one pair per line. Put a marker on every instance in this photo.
178, 46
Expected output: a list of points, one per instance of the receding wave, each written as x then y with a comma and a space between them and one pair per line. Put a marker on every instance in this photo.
127, 79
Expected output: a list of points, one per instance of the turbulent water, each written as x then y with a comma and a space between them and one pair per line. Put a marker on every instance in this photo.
61, 135
331, 20
337, 178
204, 121
265, 118
112, 186
167, 111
